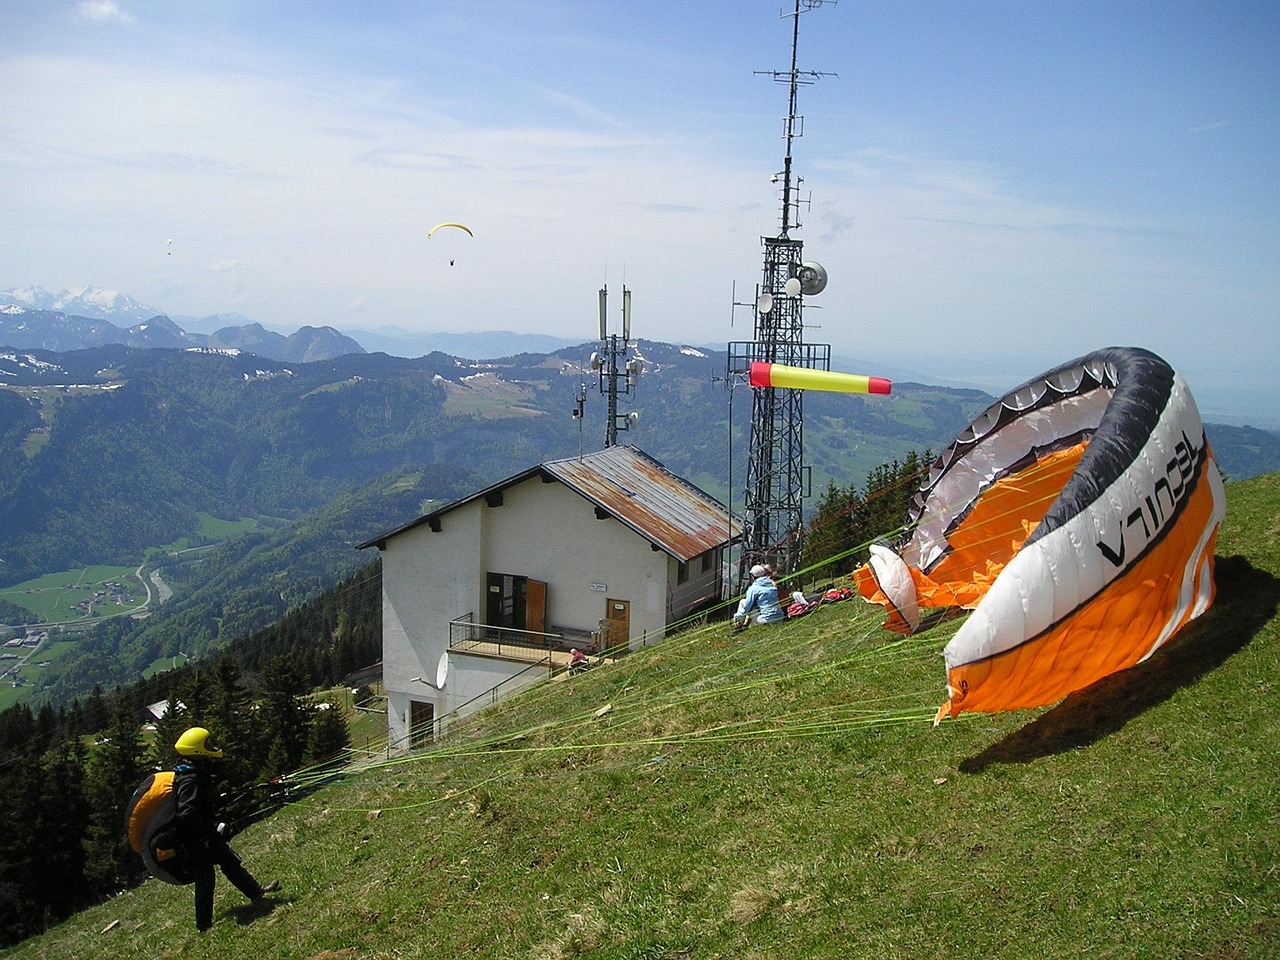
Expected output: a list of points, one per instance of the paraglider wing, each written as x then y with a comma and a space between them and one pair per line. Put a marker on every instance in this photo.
458, 226
1076, 516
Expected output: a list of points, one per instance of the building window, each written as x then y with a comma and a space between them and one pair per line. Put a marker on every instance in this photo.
682, 572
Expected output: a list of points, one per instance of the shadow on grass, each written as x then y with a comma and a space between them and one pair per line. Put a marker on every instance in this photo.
1247, 598
246, 913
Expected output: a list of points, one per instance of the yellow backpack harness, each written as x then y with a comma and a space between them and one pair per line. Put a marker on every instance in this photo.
150, 821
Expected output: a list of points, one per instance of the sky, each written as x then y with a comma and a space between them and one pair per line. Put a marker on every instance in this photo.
993, 186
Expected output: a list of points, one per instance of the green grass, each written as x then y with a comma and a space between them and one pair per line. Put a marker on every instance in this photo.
781, 793
53, 596
164, 664
212, 531
215, 528
490, 398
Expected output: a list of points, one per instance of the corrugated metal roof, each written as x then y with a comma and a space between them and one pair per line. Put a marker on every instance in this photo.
649, 498
634, 488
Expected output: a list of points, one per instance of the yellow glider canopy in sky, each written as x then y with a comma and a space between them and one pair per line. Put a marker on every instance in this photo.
441, 226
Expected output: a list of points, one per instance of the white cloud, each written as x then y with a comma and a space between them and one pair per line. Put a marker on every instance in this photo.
104, 11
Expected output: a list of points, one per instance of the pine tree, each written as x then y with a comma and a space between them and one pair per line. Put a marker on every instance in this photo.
60, 885
168, 729
830, 534
846, 520
282, 717
17, 730
115, 769
230, 718
20, 913
328, 736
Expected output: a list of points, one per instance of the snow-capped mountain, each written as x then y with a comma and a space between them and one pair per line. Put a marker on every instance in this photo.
34, 319
96, 303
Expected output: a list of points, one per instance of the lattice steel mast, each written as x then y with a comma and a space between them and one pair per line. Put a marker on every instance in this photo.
775, 481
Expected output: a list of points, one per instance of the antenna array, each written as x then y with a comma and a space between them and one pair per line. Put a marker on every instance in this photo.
776, 474
618, 376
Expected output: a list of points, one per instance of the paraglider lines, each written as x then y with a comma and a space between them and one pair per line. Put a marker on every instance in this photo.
638, 700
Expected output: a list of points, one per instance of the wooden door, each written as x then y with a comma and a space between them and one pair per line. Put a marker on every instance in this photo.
617, 623
535, 606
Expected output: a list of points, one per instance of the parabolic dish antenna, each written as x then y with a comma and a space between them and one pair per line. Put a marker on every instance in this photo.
813, 278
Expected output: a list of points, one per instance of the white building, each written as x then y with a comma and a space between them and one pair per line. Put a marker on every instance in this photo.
488, 594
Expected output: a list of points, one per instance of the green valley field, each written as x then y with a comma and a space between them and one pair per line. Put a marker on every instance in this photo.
781, 793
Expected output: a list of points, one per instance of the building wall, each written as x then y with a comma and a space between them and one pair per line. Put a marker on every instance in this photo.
542, 531
428, 579
547, 532
703, 588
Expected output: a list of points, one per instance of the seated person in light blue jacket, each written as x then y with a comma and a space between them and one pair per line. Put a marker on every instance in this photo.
762, 595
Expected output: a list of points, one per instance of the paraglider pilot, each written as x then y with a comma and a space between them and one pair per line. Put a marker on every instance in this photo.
761, 596
202, 836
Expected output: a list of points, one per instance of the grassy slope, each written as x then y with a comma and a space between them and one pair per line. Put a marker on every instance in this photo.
782, 794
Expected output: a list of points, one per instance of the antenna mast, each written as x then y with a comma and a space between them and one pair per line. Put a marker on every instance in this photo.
606, 364
776, 474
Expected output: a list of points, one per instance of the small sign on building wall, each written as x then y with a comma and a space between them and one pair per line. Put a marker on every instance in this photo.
599, 587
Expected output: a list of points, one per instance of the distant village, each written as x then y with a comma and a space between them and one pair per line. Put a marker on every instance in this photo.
12, 660
110, 592
16, 651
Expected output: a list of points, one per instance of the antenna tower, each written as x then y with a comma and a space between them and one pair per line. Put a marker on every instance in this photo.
606, 363
776, 474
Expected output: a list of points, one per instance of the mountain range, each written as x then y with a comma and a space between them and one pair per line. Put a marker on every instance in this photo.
96, 303
31, 318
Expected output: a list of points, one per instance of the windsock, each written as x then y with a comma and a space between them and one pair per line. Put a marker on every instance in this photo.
804, 378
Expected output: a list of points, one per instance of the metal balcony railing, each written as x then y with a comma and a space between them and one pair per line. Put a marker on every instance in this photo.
464, 635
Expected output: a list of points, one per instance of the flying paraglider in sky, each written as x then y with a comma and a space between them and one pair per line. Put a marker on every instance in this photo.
1076, 517
441, 226
169, 244
456, 226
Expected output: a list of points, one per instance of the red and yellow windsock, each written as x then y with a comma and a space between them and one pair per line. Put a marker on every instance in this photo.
803, 378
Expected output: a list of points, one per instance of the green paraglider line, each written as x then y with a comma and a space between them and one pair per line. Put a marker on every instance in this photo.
641, 698
642, 703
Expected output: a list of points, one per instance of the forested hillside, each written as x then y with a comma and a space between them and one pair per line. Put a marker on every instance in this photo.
61, 801
243, 585
108, 473
107, 452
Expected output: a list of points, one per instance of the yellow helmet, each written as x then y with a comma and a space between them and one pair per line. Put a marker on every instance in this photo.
197, 742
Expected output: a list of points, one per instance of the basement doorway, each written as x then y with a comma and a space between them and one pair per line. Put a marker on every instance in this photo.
422, 723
